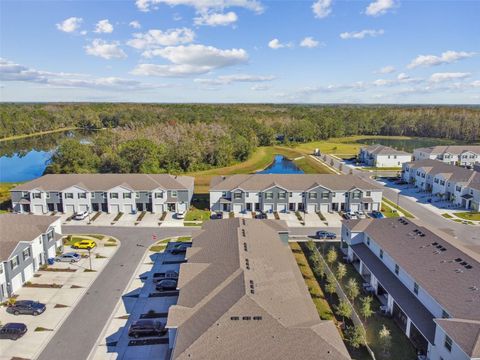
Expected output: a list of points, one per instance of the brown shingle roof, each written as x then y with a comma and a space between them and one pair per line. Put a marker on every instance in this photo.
270, 287
465, 333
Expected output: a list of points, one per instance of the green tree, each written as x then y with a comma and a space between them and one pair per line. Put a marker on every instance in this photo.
343, 309
139, 156
331, 256
355, 336
351, 289
319, 269
366, 307
341, 271
331, 285
73, 157
310, 245
385, 339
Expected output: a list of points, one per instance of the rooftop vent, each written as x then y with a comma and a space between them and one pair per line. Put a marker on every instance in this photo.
257, 318
473, 288
243, 221
243, 232
245, 246
234, 318
247, 264
403, 221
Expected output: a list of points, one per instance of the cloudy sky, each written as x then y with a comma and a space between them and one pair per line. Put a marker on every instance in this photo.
325, 51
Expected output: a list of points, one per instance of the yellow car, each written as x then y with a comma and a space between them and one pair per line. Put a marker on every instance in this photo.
84, 244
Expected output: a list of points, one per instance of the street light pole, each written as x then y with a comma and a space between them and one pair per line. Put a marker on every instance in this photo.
90, 258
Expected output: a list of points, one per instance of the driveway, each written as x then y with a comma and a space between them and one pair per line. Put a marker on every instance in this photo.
92, 312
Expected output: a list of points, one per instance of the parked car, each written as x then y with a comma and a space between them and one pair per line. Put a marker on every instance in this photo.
180, 248
346, 216
180, 215
142, 328
322, 234
169, 274
68, 257
353, 215
80, 215
260, 215
361, 215
27, 307
376, 214
84, 244
13, 331
217, 215
166, 284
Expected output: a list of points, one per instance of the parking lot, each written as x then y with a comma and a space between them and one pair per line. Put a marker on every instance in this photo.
140, 301
60, 286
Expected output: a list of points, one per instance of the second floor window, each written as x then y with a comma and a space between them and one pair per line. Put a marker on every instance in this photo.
82, 195
158, 195
14, 262
397, 269
269, 195
127, 195
312, 195
282, 195
174, 194
237, 195
37, 195
68, 195
325, 195
381, 254
448, 343
415, 288
26, 254
113, 195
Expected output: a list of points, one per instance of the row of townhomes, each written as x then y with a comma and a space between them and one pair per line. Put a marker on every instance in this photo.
430, 287
26, 243
450, 182
112, 193
462, 155
383, 156
287, 192
242, 296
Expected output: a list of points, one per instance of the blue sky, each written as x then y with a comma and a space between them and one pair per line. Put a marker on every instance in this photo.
325, 51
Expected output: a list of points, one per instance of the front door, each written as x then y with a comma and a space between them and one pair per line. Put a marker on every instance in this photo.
249, 206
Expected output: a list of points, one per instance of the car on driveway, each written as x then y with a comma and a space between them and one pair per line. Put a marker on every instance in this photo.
180, 215
71, 257
322, 234
217, 215
166, 284
376, 214
27, 307
180, 248
84, 244
80, 215
260, 215
12, 331
143, 328
169, 274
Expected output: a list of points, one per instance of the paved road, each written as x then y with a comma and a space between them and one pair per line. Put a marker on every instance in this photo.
80, 331
466, 235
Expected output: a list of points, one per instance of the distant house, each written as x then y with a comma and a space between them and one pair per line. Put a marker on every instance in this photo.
383, 156
460, 155
111, 193
242, 297
453, 183
26, 243
430, 287
287, 192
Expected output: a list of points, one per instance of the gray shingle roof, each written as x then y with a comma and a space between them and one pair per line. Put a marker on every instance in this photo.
452, 172
302, 182
384, 150
104, 182
466, 333
216, 284
15, 228
451, 149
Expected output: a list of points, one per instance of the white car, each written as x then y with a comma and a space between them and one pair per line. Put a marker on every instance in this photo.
80, 215
180, 215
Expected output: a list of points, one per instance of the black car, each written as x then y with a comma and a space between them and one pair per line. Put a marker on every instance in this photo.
166, 284
27, 307
260, 215
325, 235
142, 328
180, 248
217, 215
13, 331
169, 274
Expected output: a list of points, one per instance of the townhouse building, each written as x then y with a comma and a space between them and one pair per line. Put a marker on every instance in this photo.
449, 182
293, 192
111, 193
26, 243
460, 155
383, 156
430, 287
242, 296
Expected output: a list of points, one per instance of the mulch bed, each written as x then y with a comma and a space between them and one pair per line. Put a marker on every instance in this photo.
44, 286
59, 269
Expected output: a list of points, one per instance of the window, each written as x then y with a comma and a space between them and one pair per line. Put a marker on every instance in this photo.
113, 195
356, 195
325, 195
127, 195
137, 195
68, 195
47, 195
369, 193
25, 194
415, 288
448, 343
442, 182
159, 195
50, 235
312, 195
37, 195
381, 254
247, 194
224, 193
368, 240
174, 193
82, 195
290, 194
237, 195
269, 195
397, 269
445, 315
282, 195
14, 263
26, 254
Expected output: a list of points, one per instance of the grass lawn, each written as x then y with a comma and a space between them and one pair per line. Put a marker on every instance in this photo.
5, 188
197, 215
475, 216
394, 206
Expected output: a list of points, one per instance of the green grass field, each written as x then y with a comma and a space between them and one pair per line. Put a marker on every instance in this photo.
474, 216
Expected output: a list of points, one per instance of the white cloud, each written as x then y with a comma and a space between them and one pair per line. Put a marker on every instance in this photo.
135, 24
10, 71
156, 38
379, 7
322, 8
216, 19
190, 60
260, 87
386, 70
476, 83
103, 26
446, 57
228, 79
70, 25
383, 82
361, 34
445, 76
276, 44
202, 5
309, 42
105, 49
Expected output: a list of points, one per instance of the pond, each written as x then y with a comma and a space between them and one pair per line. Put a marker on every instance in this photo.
281, 165
26, 159
408, 144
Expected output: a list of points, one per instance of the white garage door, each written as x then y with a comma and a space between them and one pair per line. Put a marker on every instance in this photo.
311, 208
182, 207
323, 208
237, 208
128, 208
28, 272
82, 208
51, 252
115, 208
70, 208
268, 207
281, 208
354, 207
38, 209
17, 282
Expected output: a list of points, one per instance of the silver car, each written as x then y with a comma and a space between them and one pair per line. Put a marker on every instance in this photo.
70, 257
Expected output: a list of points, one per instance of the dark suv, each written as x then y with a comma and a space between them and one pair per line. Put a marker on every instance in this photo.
166, 284
27, 307
13, 331
180, 248
142, 328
